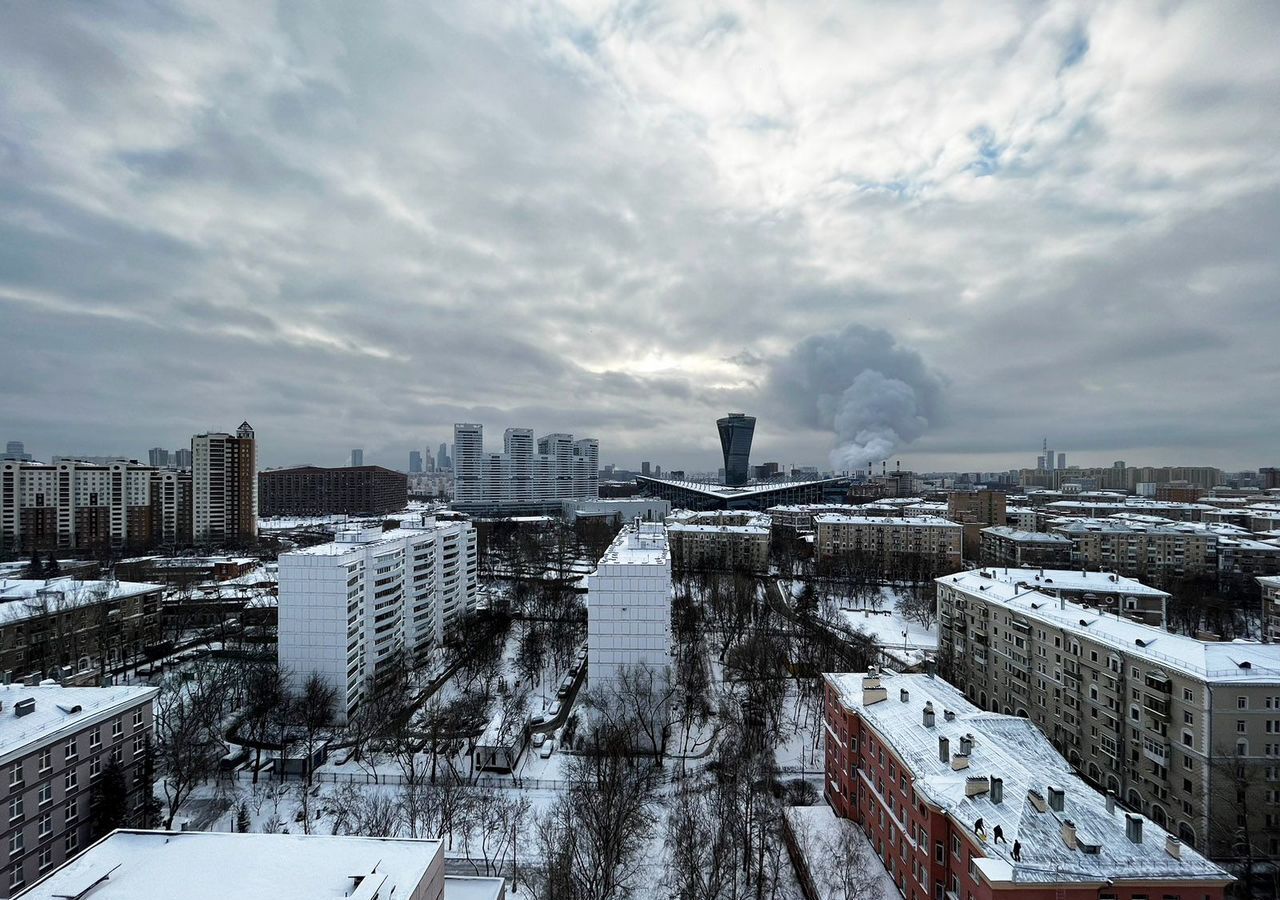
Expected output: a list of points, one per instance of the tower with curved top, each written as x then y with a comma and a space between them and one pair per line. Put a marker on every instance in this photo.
736, 430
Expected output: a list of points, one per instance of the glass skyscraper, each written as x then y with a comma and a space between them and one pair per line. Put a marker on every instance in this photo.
736, 430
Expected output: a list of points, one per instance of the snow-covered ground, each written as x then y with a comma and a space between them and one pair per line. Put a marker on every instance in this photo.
838, 855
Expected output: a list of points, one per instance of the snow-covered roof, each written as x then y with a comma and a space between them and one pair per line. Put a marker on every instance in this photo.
638, 546
1230, 661
1026, 537
1270, 581
1014, 750
211, 865
23, 598
1122, 526
724, 491
886, 521
1073, 581
58, 710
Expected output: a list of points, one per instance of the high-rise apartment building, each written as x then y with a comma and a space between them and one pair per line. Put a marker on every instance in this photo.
528, 475
54, 744
629, 604
225, 486
158, 457
346, 490
16, 450
182, 458
356, 458
359, 609
736, 430
444, 460
1184, 731
171, 506
415, 462
74, 505
959, 802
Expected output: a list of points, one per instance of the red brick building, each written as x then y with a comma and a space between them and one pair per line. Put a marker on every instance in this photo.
963, 804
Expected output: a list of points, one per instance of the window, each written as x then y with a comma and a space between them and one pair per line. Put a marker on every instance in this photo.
1242, 703
71, 843
1187, 718
95, 767
95, 739
71, 813
1188, 695
46, 824
117, 728
15, 808
71, 781
137, 718
71, 750
46, 759
137, 745
15, 878
15, 774
15, 842
1240, 726
46, 857
46, 793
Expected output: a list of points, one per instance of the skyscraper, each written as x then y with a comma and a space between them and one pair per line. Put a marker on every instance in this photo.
182, 458
415, 462
225, 486
443, 460
357, 457
736, 430
158, 457
534, 474
1062, 460
17, 450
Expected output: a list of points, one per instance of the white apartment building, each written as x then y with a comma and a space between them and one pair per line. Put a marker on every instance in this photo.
527, 475
224, 472
359, 608
74, 504
629, 603
1185, 731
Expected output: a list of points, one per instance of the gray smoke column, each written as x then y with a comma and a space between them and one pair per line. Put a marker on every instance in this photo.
860, 384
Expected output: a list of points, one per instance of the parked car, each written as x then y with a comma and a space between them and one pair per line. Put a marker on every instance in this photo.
552, 711
539, 738
547, 749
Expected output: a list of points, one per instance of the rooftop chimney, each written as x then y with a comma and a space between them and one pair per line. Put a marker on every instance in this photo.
928, 714
944, 749
948, 715
1056, 798
966, 744
1037, 800
1133, 827
1111, 802
1173, 846
1069, 833
872, 690
24, 707
904, 695
976, 784
959, 761
997, 790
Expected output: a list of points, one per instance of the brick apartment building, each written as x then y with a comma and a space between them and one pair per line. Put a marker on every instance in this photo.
346, 490
54, 745
962, 803
888, 539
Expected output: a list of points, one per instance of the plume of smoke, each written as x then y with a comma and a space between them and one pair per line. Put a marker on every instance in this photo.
871, 393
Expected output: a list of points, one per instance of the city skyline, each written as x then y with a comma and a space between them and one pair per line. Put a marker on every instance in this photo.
951, 230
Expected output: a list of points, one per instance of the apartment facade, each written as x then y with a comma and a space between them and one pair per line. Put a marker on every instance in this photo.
962, 803
316, 491
77, 505
360, 609
224, 472
1141, 550
1183, 730
66, 628
54, 744
726, 541
629, 603
1271, 607
888, 539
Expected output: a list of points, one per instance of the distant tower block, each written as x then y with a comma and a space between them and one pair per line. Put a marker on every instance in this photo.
736, 430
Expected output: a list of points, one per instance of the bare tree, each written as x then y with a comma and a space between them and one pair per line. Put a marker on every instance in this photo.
492, 828
637, 701
188, 727
265, 695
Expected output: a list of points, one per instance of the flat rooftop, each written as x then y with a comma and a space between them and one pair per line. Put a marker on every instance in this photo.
57, 709
725, 492
643, 545
21, 598
886, 521
204, 865
1014, 750
1027, 537
1073, 580
1235, 661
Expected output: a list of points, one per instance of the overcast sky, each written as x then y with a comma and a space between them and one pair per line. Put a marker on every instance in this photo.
355, 224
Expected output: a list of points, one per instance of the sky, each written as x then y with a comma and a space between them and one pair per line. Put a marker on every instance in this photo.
937, 231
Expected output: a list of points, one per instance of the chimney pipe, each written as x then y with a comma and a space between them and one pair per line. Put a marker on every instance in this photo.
928, 714
966, 744
997, 790
944, 749
1057, 798
1069, 833
1111, 802
1173, 846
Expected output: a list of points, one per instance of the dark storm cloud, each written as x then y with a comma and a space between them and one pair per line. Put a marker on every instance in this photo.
357, 225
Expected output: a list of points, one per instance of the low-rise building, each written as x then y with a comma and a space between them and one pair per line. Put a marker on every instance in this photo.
212, 865
799, 517
960, 802
1004, 545
70, 629
1140, 550
719, 540
888, 540
1181, 729
1105, 591
346, 490
358, 610
55, 743
615, 511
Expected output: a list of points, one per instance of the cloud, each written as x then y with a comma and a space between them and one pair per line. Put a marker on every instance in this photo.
353, 227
